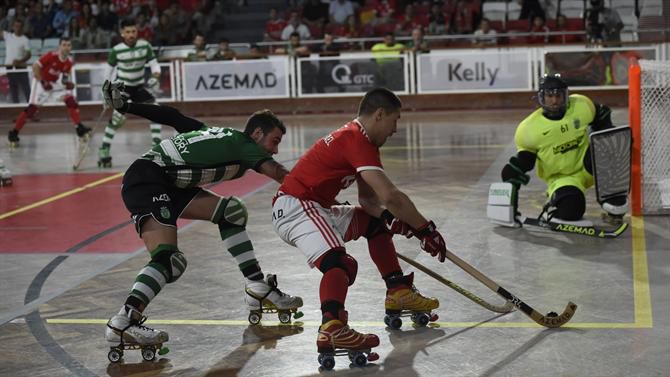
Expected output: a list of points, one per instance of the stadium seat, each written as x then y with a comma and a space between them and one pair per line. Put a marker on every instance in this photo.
494, 11
572, 8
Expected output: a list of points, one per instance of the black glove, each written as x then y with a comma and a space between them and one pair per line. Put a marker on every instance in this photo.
115, 96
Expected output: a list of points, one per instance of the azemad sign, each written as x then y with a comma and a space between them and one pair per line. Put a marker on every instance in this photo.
455, 71
236, 79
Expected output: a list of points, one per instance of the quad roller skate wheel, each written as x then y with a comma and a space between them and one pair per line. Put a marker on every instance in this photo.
284, 317
255, 318
358, 359
115, 355
327, 362
421, 319
393, 322
149, 353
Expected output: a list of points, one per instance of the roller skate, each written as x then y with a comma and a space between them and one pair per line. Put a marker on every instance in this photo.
5, 176
104, 158
13, 137
83, 133
265, 297
337, 339
125, 331
404, 300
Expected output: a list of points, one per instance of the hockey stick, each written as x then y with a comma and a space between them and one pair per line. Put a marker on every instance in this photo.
84, 150
550, 320
592, 231
508, 307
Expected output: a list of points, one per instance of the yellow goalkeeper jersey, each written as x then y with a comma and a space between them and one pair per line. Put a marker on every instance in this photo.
560, 145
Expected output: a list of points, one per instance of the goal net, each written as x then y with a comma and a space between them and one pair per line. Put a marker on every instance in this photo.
649, 112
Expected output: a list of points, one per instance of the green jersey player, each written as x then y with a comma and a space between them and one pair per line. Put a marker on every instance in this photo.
555, 140
165, 184
127, 60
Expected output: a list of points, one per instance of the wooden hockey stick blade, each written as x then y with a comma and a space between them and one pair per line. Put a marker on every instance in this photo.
543, 320
84, 150
508, 307
592, 231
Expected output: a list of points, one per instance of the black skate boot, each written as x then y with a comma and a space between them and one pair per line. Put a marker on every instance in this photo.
104, 158
13, 137
83, 132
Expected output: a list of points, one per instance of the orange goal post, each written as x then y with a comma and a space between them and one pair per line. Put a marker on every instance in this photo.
649, 117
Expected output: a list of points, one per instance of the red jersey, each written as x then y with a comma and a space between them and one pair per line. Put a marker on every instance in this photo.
331, 164
52, 66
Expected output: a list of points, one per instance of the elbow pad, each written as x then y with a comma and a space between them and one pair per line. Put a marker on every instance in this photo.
515, 170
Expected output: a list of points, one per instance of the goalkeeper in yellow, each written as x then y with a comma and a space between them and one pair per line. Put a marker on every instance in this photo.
555, 139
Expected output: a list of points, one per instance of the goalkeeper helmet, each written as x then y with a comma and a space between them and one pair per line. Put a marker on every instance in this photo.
553, 86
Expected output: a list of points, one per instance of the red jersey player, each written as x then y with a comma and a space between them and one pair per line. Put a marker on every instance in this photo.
306, 215
46, 86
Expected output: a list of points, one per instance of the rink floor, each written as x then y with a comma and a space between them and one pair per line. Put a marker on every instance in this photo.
68, 256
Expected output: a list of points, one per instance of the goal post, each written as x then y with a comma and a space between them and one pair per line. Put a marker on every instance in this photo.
649, 117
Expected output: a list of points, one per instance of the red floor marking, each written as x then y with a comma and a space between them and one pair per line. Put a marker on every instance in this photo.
58, 226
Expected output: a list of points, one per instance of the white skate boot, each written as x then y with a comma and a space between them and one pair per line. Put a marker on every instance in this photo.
5, 176
263, 296
125, 331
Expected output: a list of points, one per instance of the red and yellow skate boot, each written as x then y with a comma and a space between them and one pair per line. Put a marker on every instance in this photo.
337, 339
403, 299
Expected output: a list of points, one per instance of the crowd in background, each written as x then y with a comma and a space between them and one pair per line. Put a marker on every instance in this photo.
92, 24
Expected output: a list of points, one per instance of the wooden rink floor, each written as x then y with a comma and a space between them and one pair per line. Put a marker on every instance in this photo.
68, 256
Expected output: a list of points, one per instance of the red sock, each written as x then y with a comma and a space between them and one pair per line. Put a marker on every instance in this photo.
21, 120
74, 115
334, 286
383, 253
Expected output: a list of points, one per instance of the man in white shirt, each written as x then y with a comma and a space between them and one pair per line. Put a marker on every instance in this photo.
17, 55
295, 25
339, 11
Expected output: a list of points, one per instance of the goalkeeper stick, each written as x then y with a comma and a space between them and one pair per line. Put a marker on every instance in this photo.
508, 307
550, 320
83, 149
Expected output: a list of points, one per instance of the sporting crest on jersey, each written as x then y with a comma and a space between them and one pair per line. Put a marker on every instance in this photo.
577, 124
165, 212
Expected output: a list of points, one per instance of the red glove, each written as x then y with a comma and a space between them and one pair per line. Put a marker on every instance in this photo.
69, 85
432, 241
395, 225
46, 85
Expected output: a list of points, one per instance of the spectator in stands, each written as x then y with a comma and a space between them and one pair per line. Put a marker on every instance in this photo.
74, 33
418, 43
389, 67
295, 25
386, 11
463, 18
611, 23
199, 52
367, 14
144, 29
205, 17
405, 22
274, 26
84, 15
325, 67
107, 19
540, 31
437, 23
62, 18
224, 52
485, 36
40, 24
95, 37
255, 52
164, 34
294, 47
17, 54
328, 47
315, 13
339, 10
181, 22
4, 19
530, 9
562, 25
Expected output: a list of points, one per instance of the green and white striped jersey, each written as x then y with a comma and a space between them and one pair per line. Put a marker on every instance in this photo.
130, 61
205, 156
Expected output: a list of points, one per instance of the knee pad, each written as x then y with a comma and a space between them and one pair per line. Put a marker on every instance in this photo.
70, 102
171, 259
118, 119
338, 258
570, 203
231, 211
31, 110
